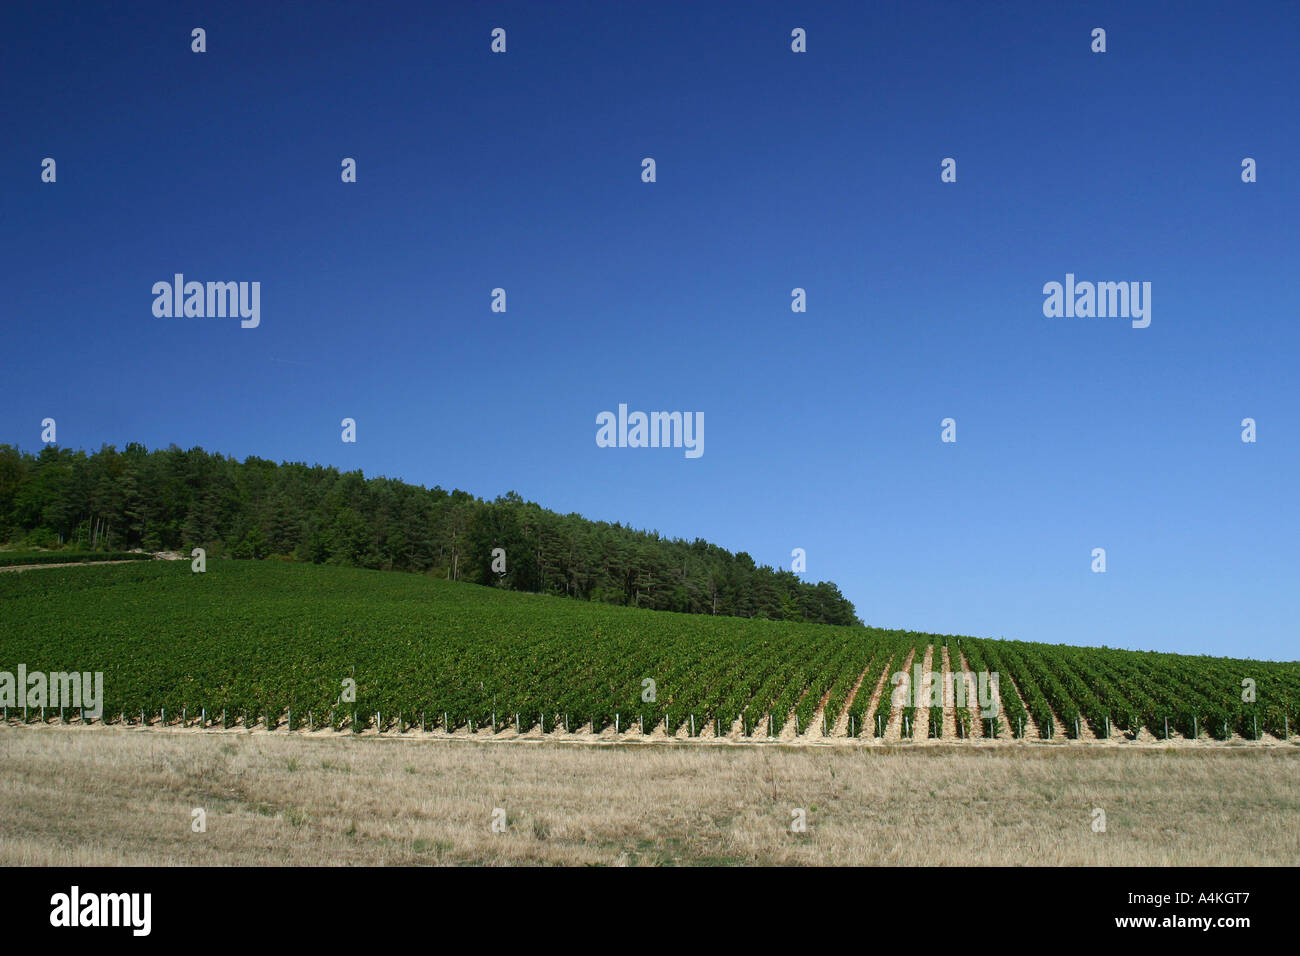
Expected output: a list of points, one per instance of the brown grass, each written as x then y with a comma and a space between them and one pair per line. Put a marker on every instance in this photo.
113, 796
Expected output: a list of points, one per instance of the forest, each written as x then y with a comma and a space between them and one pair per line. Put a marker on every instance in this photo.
175, 500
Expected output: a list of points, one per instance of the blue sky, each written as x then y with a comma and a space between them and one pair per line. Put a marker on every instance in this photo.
775, 170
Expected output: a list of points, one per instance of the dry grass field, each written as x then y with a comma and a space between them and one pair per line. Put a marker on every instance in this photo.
108, 796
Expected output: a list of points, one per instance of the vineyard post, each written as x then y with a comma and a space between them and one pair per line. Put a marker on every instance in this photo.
494, 721
1286, 726
1108, 726
444, 721
1166, 728
354, 721
203, 717
640, 722
1255, 720
879, 732
825, 731
141, 714
692, 725
1195, 732
1020, 723
769, 722
223, 718
566, 723
1076, 728
796, 724
517, 730
289, 715
851, 734
616, 723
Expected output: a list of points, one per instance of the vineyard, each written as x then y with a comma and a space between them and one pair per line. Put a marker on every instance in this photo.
302, 647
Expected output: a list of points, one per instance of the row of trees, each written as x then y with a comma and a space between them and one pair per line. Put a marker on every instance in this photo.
175, 499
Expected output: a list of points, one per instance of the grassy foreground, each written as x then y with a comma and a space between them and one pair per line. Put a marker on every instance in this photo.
281, 799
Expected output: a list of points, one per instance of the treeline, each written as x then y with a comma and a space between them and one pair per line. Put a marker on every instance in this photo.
178, 500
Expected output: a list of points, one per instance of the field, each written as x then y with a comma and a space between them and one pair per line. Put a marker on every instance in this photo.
25, 559
278, 645
281, 799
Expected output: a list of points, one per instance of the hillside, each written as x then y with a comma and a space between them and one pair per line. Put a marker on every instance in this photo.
169, 499
252, 639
